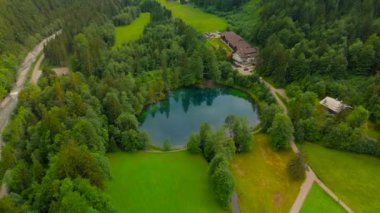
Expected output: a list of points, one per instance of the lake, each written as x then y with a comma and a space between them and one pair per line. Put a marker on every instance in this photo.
184, 110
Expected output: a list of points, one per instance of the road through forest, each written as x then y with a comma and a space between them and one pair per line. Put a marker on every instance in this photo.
9, 103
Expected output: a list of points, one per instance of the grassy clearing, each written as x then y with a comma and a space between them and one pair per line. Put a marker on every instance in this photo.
353, 177
319, 201
262, 181
160, 182
133, 31
195, 17
218, 44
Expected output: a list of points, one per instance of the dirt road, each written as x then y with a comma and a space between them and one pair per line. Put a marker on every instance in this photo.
8, 104
310, 175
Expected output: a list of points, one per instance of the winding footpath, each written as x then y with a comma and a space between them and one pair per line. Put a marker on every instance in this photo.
9, 103
311, 177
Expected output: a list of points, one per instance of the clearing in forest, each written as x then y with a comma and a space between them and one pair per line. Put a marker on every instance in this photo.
133, 31
217, 43
160, 182
353, 177
262, 181
195, 17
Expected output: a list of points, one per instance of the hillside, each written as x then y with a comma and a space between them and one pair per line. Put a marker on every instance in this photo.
24, 23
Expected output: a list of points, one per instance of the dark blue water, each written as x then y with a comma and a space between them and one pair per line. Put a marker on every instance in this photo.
183, 112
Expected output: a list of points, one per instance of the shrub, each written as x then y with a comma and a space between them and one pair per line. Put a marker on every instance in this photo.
143, 140
242, 136
307, 130
281, 132
223, 184
133, 140
296, 167
240, 131
358, 117
217, 161
193, 145
205, 134
167, 145
7, 205
267, 113
211, 148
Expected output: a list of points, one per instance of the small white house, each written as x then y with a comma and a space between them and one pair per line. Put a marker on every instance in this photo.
334, 105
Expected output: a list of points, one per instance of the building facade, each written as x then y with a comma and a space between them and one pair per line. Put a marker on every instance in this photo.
243, 52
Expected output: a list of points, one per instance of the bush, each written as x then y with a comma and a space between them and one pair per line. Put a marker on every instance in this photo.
296, 167
358, 117
267, 113
307, 130
223, 184
239, 130
281, 132
211, 148
132, 140
205, 134
143, 140
242, 136
167, 145
193, 145
217, 161
7, 205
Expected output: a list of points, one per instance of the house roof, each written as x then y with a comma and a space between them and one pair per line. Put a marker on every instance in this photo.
333, 104
242, 47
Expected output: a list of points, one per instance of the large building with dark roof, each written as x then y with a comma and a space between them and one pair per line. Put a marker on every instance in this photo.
244, 53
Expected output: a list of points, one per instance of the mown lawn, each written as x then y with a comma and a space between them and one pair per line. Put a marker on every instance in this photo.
319, 201
262, 181
132, 31
160, 182
195, 17
354, 178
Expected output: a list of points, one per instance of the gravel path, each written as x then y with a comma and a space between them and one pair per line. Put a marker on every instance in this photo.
310, 175
37, 72
235, 203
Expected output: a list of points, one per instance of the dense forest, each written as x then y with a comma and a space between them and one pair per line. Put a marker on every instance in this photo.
335, 38
333, 49
53, 159
223, 5
24, 23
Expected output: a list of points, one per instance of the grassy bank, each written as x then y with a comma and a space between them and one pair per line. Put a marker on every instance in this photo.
319, 201
195, 17
131, 32
262, 181
217, 43
353, 177
160, 182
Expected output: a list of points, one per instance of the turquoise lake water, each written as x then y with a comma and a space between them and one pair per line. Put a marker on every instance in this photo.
184, 110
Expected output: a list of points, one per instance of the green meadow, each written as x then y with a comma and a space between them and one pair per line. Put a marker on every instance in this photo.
132, 31
160, 182
319, 201
262, 181
195, 17
353, 177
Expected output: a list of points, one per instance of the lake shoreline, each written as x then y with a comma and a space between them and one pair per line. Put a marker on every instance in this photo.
186, 108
